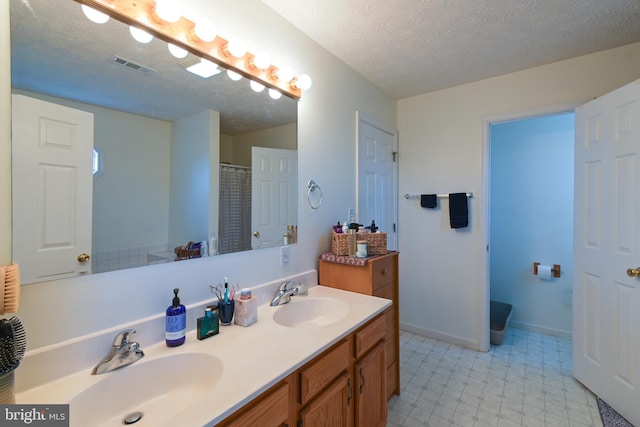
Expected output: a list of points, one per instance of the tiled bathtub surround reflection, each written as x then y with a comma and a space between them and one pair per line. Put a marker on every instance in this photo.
102, 262
527, 381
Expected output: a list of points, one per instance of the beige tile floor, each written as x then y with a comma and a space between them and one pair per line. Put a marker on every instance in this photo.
526, 381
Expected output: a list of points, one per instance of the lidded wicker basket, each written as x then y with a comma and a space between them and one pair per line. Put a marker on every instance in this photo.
376, 243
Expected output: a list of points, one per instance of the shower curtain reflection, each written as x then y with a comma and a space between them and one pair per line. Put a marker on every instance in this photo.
234, 227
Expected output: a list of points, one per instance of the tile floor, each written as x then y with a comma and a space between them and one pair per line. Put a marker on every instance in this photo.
526, 381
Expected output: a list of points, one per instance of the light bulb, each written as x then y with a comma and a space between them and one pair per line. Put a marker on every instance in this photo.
284, 73
237, 47
94, 15
303, 82
205, 30
262, 60
177, 51
233, 75
275, 94
257, 87
140, 35
168, 10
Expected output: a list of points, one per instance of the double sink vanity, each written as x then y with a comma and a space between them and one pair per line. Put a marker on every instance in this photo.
319, 355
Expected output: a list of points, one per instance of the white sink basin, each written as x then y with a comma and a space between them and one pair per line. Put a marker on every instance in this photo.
303, 312
158, 388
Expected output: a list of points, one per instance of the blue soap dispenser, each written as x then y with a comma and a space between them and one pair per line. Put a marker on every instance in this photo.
176, 325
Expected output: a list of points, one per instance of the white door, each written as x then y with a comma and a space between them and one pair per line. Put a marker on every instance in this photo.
377, 177
52, 189
606, 319
273, 195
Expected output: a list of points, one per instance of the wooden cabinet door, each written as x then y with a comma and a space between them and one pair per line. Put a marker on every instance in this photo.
370, 389
329, 408
270, 410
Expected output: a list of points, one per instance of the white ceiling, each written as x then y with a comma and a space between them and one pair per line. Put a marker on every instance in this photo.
410, 47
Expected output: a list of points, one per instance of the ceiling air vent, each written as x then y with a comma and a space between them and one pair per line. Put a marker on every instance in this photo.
133, 66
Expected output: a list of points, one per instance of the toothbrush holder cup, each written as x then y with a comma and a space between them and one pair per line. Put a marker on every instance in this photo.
226, 312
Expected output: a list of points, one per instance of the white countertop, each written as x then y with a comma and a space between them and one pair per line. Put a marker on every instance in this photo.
254, 358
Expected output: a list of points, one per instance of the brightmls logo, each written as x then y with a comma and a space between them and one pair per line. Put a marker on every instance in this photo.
35, 415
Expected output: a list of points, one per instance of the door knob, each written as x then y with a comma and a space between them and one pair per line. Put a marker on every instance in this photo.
633, 272
84, 257
256, 234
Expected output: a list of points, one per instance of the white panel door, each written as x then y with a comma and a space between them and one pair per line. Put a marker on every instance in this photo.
377, 177
52, 189
273, 194
606, 341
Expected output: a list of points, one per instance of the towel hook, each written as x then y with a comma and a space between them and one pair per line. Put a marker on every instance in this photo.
312, 186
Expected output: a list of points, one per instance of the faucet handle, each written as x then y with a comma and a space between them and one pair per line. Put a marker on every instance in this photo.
284, 286
123, 337
302, 290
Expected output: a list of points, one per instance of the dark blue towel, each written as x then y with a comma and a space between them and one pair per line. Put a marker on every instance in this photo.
458, 211
428, 201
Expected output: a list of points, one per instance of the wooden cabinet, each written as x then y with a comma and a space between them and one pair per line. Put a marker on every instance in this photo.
344, 386
331, 407
316, 375
370, 391
271, 409
378, 277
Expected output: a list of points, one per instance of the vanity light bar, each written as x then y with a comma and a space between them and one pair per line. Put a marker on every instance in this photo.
140, 13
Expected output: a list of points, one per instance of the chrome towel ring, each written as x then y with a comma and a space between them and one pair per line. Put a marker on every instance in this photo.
312, 186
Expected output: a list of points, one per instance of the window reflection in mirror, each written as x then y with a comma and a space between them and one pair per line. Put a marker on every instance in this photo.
161, 134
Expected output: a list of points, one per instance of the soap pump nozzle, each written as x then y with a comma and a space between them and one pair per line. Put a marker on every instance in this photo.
176, 298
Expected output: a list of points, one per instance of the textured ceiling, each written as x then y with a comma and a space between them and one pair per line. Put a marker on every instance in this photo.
410, 47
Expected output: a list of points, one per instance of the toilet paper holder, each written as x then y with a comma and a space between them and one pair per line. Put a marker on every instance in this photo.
555, 269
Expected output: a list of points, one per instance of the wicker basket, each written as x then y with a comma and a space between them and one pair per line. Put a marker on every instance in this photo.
183, 253
376, 243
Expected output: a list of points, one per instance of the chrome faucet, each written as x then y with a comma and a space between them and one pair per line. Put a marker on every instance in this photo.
287, 290
122, 353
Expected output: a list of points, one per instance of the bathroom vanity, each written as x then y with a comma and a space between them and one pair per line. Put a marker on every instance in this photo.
317, 356
343, 386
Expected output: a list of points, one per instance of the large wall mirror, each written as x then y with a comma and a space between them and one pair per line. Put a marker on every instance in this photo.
172, 151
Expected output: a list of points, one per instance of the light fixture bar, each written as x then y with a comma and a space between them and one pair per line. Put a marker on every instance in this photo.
140, 13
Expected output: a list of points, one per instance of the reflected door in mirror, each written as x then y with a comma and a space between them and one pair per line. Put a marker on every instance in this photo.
52, 170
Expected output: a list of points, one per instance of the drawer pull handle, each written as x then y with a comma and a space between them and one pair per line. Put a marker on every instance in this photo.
349, 392
383, 272
361, 380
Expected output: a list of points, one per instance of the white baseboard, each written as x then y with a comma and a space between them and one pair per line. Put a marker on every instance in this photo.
439, 335
560, 333
473, 344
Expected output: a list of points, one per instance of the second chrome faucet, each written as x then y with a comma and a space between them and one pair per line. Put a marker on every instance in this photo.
286, 290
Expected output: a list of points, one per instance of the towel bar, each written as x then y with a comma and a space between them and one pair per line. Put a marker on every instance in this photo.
440, 196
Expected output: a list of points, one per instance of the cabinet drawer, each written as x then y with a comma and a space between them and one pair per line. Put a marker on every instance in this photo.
272, 410
382, 271
369, 336
323, 371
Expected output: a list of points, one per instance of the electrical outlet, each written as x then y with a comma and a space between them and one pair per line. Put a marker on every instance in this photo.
284, 255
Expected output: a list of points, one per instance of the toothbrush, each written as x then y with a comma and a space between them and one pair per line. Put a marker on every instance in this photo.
226, 290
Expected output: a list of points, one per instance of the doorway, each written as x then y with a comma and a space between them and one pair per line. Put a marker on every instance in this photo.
377, 176
531, 162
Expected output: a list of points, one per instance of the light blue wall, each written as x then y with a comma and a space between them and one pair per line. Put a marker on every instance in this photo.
531, 219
